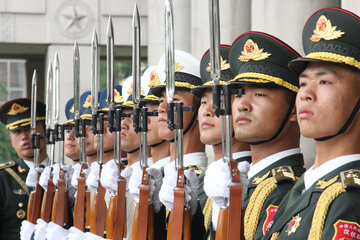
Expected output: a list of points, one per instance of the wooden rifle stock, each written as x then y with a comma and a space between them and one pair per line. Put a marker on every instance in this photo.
120, 224
186, 225
98, 212
60, 202
47, 201
222, 224
34, 205
110, 218
79, 208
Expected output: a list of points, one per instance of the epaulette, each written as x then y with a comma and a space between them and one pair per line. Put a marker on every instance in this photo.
7, 165
195, 168
283, 174
350, 178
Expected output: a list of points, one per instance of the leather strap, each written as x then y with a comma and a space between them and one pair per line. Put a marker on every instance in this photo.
178, 211
143, 207
100, 211
47, 202
35, 212
79, 208
120, 214
235, 214
17, 179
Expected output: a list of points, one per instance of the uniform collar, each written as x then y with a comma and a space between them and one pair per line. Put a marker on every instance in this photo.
161, 163
30, 164
312, 175
198, 158
241, 154
264, 163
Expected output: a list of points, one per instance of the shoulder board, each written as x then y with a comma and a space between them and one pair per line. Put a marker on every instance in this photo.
7, 165
283, 174
350, 178
195, 168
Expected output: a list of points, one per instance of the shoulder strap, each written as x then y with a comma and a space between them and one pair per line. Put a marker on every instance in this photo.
17, 179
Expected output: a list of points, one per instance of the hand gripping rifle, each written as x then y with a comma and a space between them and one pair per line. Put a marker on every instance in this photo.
143, 224
116, 215
50, 142
82, 197
33, 211
180, 217
61, 200
98, 205
229, 224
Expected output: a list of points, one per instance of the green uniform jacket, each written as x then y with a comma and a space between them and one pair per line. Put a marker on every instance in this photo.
13, 201
340, 218
273, 199
202, 197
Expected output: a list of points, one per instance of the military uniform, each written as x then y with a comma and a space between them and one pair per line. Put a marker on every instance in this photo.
323, 204
14, 194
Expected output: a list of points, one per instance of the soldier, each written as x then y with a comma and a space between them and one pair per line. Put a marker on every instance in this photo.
15, 114
264, 116
324, 203
210, 133
71, 147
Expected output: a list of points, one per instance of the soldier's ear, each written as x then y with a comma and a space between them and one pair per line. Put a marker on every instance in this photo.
293, 117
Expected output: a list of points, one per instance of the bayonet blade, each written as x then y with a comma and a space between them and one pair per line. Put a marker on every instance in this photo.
56, 89
169, 52
34, 84
136, 71
48, 97
76, 69
110, 64
214, 41
94, 73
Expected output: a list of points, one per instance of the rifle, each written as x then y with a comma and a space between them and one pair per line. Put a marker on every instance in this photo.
143, 223
179, 226
229, 224
81, 197
116, 216
34, 204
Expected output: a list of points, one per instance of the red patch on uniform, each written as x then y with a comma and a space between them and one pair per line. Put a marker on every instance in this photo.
270, 212
346, 230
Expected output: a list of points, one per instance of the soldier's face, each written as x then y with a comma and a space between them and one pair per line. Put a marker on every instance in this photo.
21, 141
72, 149
129, 139
90, 140
180, 96
327, 96
153, 135
108, 138
209, 124
258, 114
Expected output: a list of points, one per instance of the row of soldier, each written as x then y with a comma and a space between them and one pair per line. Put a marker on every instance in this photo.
277, 96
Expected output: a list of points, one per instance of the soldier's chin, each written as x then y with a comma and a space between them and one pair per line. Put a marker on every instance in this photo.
166, 134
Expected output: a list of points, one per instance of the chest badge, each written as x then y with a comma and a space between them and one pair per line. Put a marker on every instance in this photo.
293, 224
21, 214
21, 169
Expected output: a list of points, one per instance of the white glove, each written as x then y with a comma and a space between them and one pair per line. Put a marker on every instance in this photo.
216, 181
68, 171
44, 177
93, 178
109, 175
75, 234
40, 229
32, 177
215, 216
56, 232
166, 193
76, 174
155, 183
26, 230
91, 236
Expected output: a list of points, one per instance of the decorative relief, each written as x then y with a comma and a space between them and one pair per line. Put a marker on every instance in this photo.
6, 27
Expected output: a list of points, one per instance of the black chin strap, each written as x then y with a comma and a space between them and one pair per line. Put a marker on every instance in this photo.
191, 122
132, 151
346, 125
157, 144
292, 103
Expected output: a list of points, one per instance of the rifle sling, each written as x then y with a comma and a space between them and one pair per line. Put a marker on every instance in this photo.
178, 211
143, 207
100, 211
60, 208
235, 214
120, 215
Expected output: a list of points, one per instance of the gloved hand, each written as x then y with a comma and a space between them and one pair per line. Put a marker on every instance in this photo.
215, 216
109, 176
75, 234
32, 177
26, 230
76, 174
40, 229
155, 183
68, 171
91, 236
44, 177
216, 181
166, 193
56, 232
93, 178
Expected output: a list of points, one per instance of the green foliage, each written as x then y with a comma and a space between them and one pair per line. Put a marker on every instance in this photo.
7, 152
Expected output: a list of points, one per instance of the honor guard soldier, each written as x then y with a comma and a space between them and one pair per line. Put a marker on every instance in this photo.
324, 203
265, 117
211, 134
14, 193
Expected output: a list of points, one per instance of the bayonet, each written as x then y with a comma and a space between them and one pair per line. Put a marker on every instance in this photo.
34, 85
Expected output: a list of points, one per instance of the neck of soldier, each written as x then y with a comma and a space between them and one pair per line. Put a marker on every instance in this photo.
191, 142
91, 158
236, 146
289, 138
133, 157
108, 155
161, 151
346, 143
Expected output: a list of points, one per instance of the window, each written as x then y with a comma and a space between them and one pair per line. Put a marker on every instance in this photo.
12, 79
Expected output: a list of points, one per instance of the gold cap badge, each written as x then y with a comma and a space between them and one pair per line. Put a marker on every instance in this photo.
131, 89
252, 52
224, 65
178, 67
17, 109
325, 31
72, 110
117, 97
87, 103
154, 79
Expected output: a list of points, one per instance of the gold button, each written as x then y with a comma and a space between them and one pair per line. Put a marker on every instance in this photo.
21, 204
